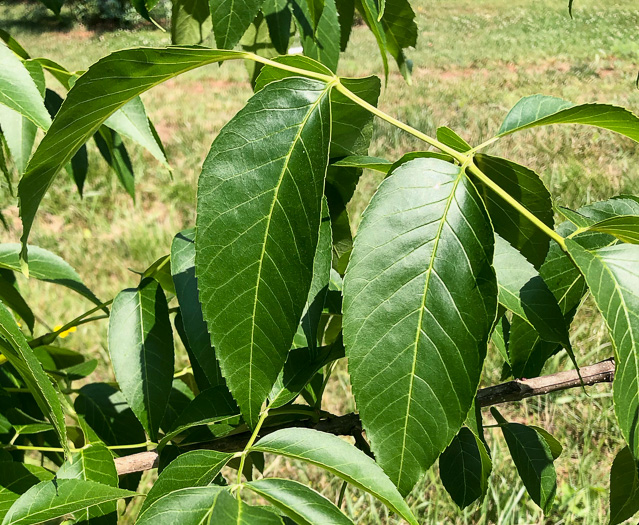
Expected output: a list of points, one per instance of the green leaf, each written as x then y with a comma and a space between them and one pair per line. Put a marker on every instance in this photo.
398, 22
107, 86
213, 406
301, 503
315, 9
18, 91
179, 399
16, 479
365, 162
190, 22
259, 208
231, 19
197, 468
131, 121
11, 297
420, 296
624, 487
541, 110
105, 410
19, 133
45, 266
257, 40
14, 45
320, 41
141, 349
624, 227
186, 289
555, 447
94, 463
335, 455
533, 459
525, 293
53, 5
452, 139
197, 505
612, 274
370, 14
277, 14
114, 153
18, 352
464, 468
346, 15
53, 499
160, 270
525, 186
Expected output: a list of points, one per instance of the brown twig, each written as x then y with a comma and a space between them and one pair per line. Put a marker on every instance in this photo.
350, 425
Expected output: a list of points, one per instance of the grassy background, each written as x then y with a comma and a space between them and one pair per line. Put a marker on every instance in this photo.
474, 60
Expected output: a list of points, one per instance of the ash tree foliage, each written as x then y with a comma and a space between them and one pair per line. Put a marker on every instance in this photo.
269, 290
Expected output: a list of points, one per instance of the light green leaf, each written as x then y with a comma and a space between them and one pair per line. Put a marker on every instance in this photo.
131, 121
196, 468
370, 14
94, 463
197, 505
365, 162
18, 352
335, 455
107, 86
141, 349
259, 208
624, 227
45, 266
624, 487
524, 292
420, 296
555, 447
18, 91
16, 479
53, 499
533, 459
299, 502
541, 110
464, 468
315, 9
612, 274
452, 139
190, 22
186, 289
160, 270
231, 19
526, 187
14, 45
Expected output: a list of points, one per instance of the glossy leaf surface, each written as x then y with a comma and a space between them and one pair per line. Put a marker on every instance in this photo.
259, 210
420, 298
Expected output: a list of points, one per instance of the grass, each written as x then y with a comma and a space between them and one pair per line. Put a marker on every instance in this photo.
474, 60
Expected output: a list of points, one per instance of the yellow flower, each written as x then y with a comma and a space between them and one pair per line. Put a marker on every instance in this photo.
66, 332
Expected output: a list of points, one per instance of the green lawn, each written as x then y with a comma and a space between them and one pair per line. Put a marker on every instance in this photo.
474, 60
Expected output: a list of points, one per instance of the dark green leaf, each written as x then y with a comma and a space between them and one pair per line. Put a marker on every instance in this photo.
196, 468
624, 487
420, 296
370, 14
13, 44
340, 458
10, 296
526, 187
199, 341
114, 153
231, 19
53, 499
45, 266
533, 459
278, 20
464, 468
612, 275
105, 411
18, 352
320, 42
299, 502
18, 90
398, 22
53, 5
262, 253
190, 22
107, 86
16, 479
346, 15
141, 349
315, 9
555, 447
541, 110
179, 399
